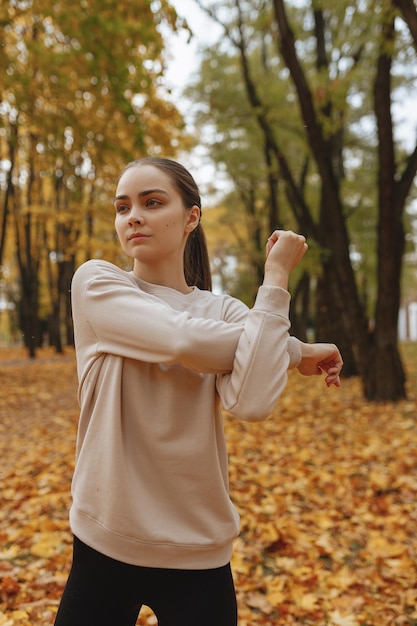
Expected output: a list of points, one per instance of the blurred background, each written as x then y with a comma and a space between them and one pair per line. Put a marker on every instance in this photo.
289, 114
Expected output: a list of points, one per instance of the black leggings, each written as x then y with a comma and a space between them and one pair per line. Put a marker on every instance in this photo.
103, 592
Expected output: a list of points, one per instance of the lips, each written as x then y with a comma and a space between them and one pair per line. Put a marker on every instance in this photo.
137, 236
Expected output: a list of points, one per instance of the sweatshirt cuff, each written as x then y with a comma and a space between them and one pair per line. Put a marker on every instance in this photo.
274, 300
294, 352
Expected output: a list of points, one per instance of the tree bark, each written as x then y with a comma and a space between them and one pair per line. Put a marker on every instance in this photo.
300, 308
29, 286
69, 327
386, 379
28, 233
330, 322
12, 144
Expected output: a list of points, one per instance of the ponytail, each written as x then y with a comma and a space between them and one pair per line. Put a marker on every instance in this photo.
196, 260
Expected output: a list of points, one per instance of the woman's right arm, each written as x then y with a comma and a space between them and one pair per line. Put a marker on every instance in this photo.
110, 313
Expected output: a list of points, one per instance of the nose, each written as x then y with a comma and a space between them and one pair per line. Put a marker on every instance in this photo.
135, 217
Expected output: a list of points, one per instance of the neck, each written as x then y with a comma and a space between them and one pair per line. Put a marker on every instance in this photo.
165, 278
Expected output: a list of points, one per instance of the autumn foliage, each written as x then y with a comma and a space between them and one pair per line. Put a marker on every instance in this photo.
326, 490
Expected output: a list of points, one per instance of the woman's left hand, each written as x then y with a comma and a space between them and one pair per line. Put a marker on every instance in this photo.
321, 357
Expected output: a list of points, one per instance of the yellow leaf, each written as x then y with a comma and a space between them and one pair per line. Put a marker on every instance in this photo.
258, 600
275, 598
46, 546
325, 542
342, 579
308, 602
379, 546
336, 619
286, 564
9, 554
20, 614
276, 594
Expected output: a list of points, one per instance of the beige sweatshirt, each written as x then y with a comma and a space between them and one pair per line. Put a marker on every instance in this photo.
155, 365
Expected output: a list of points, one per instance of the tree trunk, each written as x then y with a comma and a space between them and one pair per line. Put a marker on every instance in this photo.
29, 306
377, 356
28, 260
300, 308
330, 323
386, 378
340, 299
54, 325
29, 284
12, 143
332, 233
68, 274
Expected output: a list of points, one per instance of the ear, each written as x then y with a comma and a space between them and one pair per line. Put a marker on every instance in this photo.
193, 219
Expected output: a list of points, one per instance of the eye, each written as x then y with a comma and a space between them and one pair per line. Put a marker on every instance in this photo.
152, 203
121, 208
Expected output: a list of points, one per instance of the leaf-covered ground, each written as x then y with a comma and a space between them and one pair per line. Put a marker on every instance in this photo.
327, 491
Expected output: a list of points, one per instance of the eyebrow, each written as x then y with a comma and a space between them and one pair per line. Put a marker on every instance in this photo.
142, 194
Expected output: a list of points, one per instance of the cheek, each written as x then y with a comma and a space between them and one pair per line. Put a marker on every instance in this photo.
118, 227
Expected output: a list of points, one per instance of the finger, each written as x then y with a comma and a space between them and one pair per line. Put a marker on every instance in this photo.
333, 381
269, 246
271, 241
332, 373
274, 236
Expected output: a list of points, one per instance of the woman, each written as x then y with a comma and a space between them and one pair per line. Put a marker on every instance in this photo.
157, 354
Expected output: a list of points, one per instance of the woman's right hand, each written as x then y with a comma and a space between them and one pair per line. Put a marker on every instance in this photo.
284, 250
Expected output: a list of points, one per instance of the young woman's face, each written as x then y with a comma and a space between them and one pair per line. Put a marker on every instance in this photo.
151, 220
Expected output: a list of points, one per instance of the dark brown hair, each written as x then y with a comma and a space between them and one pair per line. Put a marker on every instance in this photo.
196, 259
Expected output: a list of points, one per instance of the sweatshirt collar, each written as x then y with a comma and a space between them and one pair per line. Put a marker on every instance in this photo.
162, 290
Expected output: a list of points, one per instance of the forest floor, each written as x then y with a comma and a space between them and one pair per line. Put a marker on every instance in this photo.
326, 490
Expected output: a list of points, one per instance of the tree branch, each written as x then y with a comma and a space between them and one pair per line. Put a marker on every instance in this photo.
294, 194
305, 98
409, 14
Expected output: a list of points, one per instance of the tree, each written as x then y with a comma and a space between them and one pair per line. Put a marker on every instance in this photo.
324, 91
79, 96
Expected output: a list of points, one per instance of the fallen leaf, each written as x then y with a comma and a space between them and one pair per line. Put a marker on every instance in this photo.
326, 489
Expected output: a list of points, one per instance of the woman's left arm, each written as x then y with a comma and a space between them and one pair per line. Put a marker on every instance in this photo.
264, 354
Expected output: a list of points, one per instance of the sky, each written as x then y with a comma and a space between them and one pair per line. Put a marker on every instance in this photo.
183, 55
183, 62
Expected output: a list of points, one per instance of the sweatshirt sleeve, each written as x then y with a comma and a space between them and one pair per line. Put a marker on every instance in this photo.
263, 355
108, 310
249, 349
